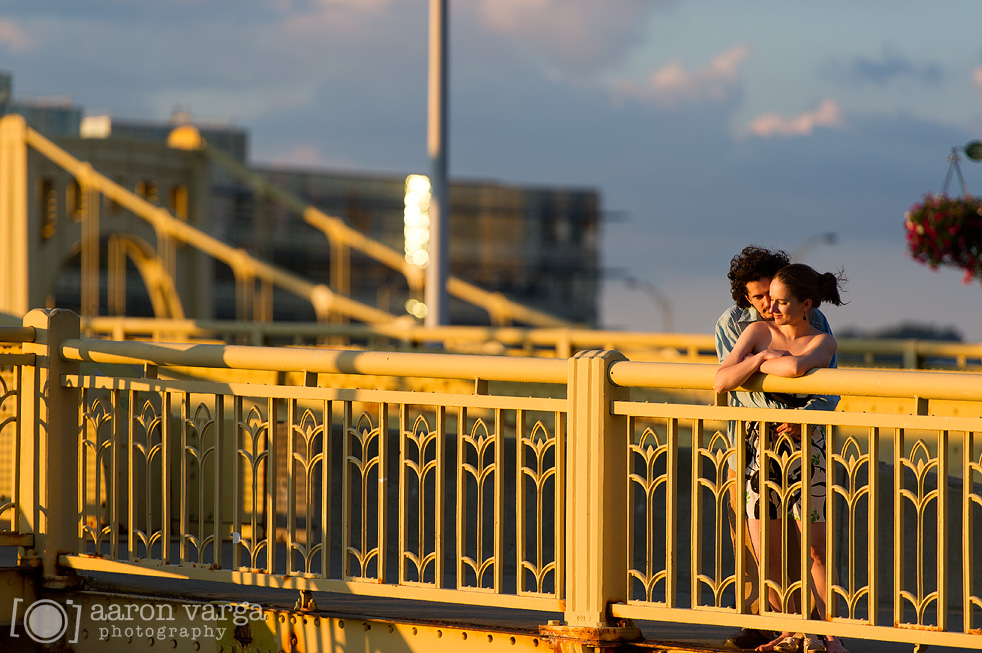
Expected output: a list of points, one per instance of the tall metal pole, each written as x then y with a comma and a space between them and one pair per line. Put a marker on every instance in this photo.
438, 312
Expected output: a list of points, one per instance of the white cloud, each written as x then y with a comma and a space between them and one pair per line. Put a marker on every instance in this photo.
674, 84
827, 114
574, 35
13, 37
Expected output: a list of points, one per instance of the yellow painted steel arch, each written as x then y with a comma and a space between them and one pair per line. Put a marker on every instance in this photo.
164, 298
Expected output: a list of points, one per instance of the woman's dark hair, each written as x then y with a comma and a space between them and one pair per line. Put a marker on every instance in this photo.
750, 265
803, 283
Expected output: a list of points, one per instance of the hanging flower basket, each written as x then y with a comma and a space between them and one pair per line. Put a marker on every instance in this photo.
944, 230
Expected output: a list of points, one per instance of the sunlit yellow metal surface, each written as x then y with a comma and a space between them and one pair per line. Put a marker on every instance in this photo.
396, 494
525, 341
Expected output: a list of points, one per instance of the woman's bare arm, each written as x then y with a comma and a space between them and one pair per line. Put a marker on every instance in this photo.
818, 354
746, 357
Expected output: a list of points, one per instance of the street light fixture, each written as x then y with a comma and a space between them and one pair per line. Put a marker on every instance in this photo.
652, 291
973, 150
827, 238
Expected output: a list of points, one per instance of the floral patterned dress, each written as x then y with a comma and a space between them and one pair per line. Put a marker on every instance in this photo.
783, 467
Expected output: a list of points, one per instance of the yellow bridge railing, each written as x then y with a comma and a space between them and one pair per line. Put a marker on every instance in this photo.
559, 342
569, 496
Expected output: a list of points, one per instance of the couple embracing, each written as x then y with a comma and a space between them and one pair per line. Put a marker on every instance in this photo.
776, 328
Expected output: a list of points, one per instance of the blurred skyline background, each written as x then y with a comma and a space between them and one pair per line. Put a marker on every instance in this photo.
704, 126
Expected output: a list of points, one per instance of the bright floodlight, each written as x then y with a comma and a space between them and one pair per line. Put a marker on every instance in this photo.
416, 218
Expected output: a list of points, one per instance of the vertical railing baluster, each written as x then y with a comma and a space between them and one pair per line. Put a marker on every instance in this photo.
272, 440
183, 487
967, 556
764, 553
740, 527
29, 452
165, 475
291, 483
942, 582
439, 522
131, 477
873, 501
383, 482
671, 514
630, 424
346, 525
559, 553
115, 435
326, 475
804, 550
461, 494
219, 480
499, 501
404, 513
898, 525
520, 502
238, 484
695, 532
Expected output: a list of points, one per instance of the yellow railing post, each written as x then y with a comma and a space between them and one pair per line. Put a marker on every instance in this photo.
49, 440
596, 494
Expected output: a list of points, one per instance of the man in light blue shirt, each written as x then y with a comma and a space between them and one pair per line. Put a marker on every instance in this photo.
750, 277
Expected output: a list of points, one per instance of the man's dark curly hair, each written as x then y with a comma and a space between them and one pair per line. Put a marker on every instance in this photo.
750, 265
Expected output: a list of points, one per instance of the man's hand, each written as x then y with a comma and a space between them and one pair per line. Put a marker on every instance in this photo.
794, 430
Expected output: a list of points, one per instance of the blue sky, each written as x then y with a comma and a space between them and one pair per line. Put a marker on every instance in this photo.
706, 126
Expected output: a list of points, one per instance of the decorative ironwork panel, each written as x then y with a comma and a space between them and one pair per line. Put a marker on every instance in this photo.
308, 497
201, 452
920, 496
650, 495
363, 485
252, 528
98, 472
538, 487
712, 487
853, 519
10, 461
479, 502
422, 485
147, 471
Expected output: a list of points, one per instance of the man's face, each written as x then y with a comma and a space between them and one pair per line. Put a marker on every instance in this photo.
759, 295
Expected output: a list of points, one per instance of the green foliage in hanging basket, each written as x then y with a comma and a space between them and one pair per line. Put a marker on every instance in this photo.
944, 230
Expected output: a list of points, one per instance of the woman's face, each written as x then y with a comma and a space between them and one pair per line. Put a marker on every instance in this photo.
785, 307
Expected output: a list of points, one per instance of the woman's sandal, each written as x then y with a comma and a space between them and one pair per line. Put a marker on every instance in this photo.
787, 644
812, 644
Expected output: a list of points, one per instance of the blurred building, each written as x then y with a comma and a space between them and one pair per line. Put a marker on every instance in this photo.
536, 245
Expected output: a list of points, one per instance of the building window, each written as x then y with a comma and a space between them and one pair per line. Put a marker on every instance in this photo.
74, 200
48, 206
179, 201
147, 188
